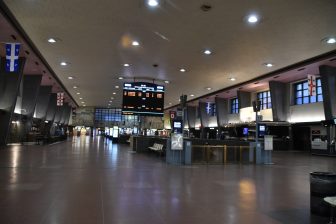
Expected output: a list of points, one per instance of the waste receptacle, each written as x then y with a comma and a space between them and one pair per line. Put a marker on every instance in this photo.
322, 184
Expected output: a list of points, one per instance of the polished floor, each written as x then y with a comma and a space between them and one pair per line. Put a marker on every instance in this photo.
90, 180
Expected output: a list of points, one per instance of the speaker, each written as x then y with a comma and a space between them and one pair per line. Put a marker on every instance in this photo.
256, 106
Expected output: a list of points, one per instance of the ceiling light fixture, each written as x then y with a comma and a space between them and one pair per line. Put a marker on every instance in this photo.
152, 3
117, 87
166, 81
183, 70
70, 77
75, 87
84, 105
114, 93
78, 93
80, 98
83, 102
120, 78
207, 52
252, 19
110, 101
330, 40
232, 79
52, 40
192, 95
268, 65
64, 63
112, 98
109, 104
135, 43
208, 88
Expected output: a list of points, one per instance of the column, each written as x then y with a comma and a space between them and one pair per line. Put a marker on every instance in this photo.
222, 106
244, 99
279, 97
9, 87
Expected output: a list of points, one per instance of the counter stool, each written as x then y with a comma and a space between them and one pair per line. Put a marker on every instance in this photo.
332, 202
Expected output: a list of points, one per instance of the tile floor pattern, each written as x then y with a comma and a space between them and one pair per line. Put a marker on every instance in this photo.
90, 180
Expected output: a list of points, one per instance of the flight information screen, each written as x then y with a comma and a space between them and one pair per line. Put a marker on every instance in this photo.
146, 99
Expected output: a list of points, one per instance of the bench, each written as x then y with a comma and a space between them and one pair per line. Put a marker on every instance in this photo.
157, 148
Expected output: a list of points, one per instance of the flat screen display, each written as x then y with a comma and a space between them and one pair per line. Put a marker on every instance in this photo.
144, 99
262, 130
177, 124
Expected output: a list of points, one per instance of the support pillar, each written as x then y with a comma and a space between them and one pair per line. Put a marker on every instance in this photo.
9, 87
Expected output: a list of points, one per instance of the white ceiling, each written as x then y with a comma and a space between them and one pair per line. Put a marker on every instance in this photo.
96, 39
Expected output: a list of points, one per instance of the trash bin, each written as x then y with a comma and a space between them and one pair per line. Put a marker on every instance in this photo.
322, 184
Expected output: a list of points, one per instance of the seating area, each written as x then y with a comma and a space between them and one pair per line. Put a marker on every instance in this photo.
157, 148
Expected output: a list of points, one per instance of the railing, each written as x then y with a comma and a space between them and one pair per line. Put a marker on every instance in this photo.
221, 154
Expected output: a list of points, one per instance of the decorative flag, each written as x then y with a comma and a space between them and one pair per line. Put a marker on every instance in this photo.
312, 85
12, 57
60, 98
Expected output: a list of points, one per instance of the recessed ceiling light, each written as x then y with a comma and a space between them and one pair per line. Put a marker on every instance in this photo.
78, 93
63, 63
208, 88
135, 43
70, 77
170, 103
112, 98
183, 70
75, 87
126, 65
252, 18
152, 3
80, 98
110, 101
166, 81
121, 78
109, 104
117, 87
331, 40
192, 95
232, 79
83, 102
52, 40
207, 52
84, 105
268, 65
114, 93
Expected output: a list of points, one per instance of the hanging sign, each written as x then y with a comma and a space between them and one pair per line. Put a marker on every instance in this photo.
312, 85
12, 57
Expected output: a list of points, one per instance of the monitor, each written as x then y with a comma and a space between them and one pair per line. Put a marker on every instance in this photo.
262, 130
144, 99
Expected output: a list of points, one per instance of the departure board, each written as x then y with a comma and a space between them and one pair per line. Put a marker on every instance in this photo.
144, 99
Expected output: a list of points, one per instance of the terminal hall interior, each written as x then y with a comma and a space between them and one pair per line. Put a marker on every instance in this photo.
166, 111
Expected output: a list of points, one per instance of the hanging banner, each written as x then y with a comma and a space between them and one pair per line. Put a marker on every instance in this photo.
312, 85
12, 57
60, 98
